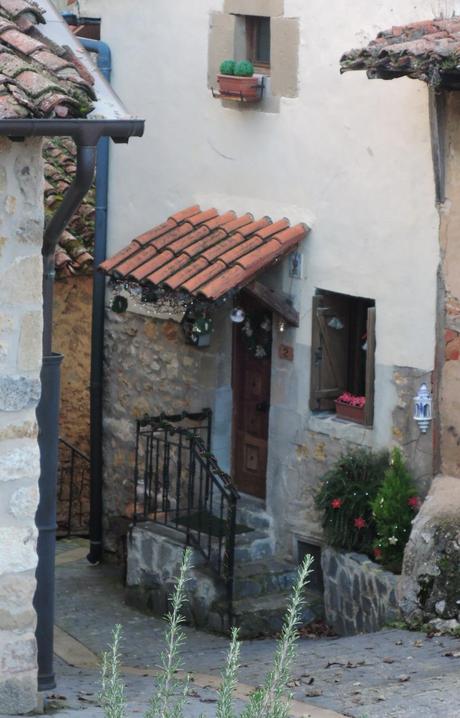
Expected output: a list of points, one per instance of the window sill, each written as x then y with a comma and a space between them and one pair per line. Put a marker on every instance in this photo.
327, 423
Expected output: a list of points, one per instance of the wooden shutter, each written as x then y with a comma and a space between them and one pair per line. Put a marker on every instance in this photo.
370, 367
329, 353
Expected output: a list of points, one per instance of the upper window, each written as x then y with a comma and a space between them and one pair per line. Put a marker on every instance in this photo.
258, 41
343, 349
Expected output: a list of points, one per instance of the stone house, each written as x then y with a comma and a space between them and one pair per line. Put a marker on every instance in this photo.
47, 88
334, 154
427, 51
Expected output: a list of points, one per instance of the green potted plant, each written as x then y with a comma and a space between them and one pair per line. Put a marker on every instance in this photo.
237, 81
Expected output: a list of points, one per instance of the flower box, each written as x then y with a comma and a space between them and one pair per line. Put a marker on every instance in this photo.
351, 413
241, 89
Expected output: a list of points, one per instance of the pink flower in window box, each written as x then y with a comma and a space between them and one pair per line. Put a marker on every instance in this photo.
351, 407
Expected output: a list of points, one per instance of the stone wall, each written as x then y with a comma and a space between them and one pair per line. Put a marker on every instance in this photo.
150, 369
430, 582
359, 596
21, 222
72, 337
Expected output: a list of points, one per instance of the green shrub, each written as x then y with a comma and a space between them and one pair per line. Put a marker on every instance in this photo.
394, 508
227, 67
244, 69
270, 700
345, 498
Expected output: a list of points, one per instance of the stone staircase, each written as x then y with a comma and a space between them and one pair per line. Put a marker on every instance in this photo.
262, 580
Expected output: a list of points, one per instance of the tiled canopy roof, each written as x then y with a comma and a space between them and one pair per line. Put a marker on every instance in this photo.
428, 51
74, 253
204, 253
37, 77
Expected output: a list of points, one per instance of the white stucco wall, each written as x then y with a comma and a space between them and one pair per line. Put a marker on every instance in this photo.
348, 156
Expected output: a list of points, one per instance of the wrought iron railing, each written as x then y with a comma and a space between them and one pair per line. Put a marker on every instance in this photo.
73, 489
178, 483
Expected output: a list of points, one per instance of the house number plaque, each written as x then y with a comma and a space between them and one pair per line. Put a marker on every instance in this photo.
286, 352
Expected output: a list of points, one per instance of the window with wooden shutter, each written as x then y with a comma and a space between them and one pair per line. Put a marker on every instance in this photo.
343, 351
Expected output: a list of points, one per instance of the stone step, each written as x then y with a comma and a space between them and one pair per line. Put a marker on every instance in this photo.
262, 615
253, 546
257, 578
252, 514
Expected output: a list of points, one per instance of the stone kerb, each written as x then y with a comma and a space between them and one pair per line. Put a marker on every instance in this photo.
359, 596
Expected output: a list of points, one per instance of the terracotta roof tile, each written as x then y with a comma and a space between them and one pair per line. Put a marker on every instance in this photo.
426, 50
186, 213
202, 217
157, 231
205, 253
203, 244
153, 264
204, 276
242, 248
42, 78
178, 279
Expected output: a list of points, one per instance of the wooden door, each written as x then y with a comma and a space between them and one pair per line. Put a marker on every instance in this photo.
251, 401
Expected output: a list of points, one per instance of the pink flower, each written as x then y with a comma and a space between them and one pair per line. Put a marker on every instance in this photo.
377, 553
360, 523
336, 503
352, 399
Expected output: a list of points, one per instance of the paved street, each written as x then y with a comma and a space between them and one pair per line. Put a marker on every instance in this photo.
391, 674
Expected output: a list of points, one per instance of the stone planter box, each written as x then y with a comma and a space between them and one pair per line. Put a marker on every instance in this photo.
359, 596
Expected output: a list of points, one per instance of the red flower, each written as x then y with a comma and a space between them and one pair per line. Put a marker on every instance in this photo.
377, 552
336, 503
414, 502
360, 523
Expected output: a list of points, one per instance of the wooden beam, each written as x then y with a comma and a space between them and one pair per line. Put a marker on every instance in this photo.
275, 301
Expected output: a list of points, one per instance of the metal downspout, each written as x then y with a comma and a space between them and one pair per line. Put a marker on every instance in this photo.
98, 313
86, 163
48, 420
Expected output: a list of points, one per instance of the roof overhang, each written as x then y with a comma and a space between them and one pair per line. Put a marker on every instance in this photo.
206, 257
109, 118
427, 51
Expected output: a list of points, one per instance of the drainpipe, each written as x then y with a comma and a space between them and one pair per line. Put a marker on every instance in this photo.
97, 332
48, 421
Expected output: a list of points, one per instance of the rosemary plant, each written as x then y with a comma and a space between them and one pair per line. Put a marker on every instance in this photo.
269, 701
112, 696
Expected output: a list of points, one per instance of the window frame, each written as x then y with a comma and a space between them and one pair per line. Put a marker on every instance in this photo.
335, 356
252, 29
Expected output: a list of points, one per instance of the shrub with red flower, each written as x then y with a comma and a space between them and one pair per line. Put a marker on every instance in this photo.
377, 553
414, 502
344, 499
352, 399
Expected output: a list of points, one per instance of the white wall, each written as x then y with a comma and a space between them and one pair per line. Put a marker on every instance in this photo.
350, 156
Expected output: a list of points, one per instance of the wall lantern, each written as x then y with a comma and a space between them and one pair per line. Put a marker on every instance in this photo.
238, 315
423, 408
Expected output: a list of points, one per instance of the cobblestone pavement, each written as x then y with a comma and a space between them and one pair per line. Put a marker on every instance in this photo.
390, 674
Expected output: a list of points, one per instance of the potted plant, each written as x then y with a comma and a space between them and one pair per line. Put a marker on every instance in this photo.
237, 81
351, 407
